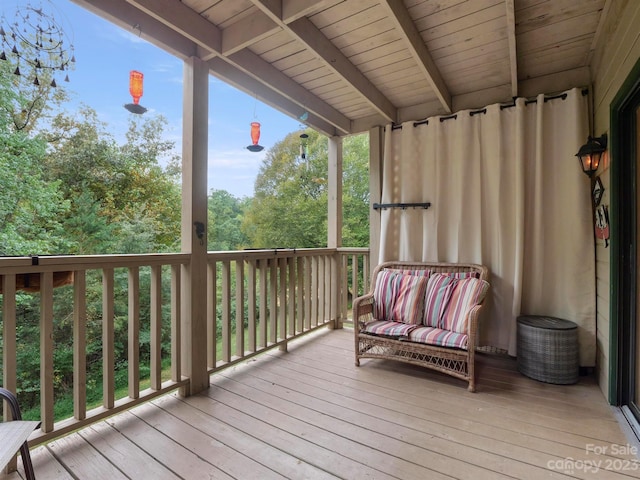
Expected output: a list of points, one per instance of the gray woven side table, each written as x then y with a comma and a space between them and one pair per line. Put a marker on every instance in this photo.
548, 349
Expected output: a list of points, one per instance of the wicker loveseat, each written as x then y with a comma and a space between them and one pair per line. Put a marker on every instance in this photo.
422, 313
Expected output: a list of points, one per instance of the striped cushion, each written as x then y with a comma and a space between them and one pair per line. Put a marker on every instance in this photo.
409, 301
439, 289
466, 294
439, 337
388, 329
384, 294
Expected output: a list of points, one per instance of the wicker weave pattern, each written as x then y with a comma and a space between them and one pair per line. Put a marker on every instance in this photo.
548, 349
452, 361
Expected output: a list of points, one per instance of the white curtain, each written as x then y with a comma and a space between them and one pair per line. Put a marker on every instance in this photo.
506, 191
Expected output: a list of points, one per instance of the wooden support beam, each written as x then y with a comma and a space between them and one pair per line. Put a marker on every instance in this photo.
128, 17
230, 74
397, 12
209, 37
511, 38
307, 33
194, 211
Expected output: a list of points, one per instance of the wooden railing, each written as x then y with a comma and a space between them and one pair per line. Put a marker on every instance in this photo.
256, 300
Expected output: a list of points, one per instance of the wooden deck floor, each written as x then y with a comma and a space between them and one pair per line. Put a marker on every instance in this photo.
311, 414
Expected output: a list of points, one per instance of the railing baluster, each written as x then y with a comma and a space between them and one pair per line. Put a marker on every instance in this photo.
282, 303
239, 308
251, 303
273, 301
291, 297
344, 286
134, 332
79, 345
176, 333
262, 267
226, 311
322, 290
314, 291
156, 327
9, 362
46, 351
300, 294
108, 346
212, 315
308, 292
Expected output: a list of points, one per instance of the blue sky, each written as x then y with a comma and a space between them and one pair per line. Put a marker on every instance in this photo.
105, 53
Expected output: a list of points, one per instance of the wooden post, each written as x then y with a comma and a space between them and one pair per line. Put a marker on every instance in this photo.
194, 224
334, 232
376, 150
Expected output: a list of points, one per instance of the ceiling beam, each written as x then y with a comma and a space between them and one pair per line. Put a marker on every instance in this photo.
253, 65
257, 26
308, 34
399, 15
126, 16
511, 38
247, 31
233, 76
183, 20
210, 37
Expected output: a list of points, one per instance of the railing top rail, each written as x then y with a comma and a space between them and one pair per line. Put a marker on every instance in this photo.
83, 262
269, 253
354, 250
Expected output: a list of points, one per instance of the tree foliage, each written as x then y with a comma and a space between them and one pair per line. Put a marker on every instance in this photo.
289, 208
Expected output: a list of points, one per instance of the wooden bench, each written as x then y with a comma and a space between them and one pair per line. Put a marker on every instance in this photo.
14, 435
424, 314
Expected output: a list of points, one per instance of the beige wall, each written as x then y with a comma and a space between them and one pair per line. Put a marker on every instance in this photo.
617, 50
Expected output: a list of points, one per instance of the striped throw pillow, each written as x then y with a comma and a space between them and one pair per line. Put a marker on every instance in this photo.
438, 293
409, 300
384, 294
466, 293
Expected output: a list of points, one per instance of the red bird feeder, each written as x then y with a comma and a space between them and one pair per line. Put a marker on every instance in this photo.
135, 89
255, 137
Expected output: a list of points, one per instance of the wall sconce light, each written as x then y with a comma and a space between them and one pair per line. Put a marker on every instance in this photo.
590, 154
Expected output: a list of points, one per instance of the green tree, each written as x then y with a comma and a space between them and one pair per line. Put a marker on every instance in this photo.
130, 195
289, 208
225, 221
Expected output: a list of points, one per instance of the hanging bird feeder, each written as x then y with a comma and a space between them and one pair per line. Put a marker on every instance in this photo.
304, 146
135, 89
255, 137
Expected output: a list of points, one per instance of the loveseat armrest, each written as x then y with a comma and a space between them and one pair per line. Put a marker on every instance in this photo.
362, 311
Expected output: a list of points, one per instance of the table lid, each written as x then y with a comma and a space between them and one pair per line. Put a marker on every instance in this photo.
542, 321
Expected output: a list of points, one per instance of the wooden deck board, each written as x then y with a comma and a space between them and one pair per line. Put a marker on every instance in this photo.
310, 413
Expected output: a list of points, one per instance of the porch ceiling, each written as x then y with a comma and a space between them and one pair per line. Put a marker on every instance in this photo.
353, 64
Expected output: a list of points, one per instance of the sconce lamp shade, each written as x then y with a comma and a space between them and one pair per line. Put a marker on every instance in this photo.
590, 154
255, 137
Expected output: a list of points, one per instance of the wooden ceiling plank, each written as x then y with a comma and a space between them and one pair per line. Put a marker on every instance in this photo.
418, 49
253, 65
511, 39
292, 10
309, 34
247, 31
258, 26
